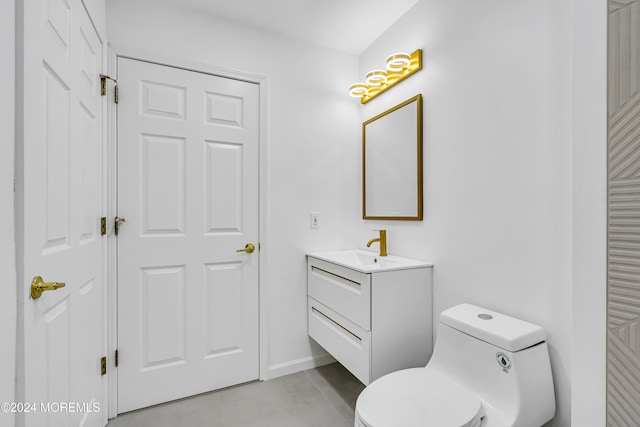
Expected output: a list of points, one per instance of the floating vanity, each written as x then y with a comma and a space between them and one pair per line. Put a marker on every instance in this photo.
373, 314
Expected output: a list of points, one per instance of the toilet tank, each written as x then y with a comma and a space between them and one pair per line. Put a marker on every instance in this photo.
504, 360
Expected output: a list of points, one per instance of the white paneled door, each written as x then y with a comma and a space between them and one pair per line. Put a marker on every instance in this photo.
188, 191
60, 172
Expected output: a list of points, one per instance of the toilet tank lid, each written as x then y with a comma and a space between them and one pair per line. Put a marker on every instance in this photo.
503, 331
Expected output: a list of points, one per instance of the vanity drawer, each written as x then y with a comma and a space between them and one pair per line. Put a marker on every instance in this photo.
346, 342
346, 291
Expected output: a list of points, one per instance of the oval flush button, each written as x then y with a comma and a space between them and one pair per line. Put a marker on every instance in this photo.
485, 316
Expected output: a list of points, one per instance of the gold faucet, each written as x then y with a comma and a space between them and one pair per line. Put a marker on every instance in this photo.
383, 242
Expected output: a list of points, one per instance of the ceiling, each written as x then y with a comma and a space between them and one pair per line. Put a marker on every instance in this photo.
347, 25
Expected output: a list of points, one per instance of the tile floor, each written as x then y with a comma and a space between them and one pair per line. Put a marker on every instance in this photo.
321, 397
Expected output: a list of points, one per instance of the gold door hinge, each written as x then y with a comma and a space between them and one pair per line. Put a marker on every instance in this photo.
103, 366
116, 358
103, 226
103, 86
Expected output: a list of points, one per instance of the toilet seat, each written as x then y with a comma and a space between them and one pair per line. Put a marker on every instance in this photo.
418, 397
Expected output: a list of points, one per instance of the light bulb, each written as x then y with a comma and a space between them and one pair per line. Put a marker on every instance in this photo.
398, 62
376, 78
358, 90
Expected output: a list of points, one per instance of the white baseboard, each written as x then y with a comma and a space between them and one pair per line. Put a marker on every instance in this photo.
293, 366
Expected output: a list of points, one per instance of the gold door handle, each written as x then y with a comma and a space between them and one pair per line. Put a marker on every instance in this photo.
116, 224
249, 248
38, 286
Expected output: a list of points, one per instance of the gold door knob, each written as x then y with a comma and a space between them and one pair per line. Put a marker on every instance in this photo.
38, 286
249, 248
116, 224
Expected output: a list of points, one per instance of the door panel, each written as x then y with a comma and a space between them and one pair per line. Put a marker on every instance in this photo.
164, 318
188, 188
163, 185
61, 178
223, 308
223, 197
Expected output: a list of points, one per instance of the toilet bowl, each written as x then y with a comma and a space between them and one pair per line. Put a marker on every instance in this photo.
487, 370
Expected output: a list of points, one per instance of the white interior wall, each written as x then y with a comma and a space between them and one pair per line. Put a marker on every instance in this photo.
497, 156
588, 379
7, 240
313, 135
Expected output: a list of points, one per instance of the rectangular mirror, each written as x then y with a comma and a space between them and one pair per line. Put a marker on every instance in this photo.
392, 163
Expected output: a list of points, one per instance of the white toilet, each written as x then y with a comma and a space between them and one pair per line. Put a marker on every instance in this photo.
487, 370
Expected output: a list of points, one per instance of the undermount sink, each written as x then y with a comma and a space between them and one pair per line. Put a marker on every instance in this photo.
367, 261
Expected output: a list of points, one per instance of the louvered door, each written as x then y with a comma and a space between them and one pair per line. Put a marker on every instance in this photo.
623, 338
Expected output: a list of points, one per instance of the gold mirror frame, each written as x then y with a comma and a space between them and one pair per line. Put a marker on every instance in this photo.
418, 162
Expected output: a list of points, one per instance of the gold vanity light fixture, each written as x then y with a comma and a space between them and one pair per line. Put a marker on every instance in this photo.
399, 66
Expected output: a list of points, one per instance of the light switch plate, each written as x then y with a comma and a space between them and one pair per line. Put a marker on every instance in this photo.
314, 218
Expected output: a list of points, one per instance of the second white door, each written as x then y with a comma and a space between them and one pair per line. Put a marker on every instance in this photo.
188, 157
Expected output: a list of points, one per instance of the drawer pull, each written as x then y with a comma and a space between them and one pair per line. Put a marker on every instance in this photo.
313, 268
336, 323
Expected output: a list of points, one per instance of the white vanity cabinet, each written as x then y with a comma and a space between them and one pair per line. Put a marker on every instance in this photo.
373, 318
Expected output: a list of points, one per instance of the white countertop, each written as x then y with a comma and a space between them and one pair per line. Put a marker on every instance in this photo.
369, 261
